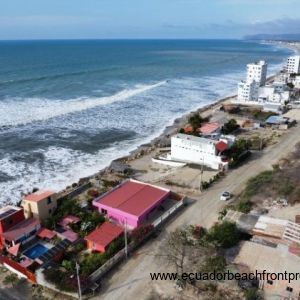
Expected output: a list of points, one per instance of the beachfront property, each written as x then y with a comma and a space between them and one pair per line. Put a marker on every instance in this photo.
293, 65
247, 91
40, 205
295, 80
14, 228
254, 91
199, 150
100, 239
131, 203
275, 93
256, 76
262, 257
257, 72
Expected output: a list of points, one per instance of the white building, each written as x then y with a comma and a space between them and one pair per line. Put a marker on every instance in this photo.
248, 91
198, 150
276, 93
257, 72
296, 81
293, 64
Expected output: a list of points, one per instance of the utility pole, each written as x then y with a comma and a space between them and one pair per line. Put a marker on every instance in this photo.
125, 238
78, 280
201, 174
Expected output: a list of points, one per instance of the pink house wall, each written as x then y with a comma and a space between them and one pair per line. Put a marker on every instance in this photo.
121, 217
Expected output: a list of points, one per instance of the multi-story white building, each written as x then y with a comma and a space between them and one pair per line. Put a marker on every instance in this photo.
293, 64
198, 150
257, 72
273, 94
248, 91
296, 81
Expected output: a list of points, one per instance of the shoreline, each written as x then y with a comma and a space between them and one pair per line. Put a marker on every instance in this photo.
163, 136
163, 139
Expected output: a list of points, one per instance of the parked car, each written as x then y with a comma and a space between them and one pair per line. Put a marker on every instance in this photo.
225, 196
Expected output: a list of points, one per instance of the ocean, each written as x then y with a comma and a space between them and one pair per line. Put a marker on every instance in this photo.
67, 108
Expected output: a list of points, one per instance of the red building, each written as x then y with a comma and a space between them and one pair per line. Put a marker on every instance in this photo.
14, 228
100, 239
9, 217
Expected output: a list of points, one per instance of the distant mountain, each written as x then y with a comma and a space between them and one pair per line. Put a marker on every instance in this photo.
274, 37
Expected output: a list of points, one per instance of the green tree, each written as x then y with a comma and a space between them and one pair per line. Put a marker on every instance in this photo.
11, 279
196, 121
214, 263
224, 235
230, 126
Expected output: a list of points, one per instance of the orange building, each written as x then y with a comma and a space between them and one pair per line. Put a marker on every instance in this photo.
100, 239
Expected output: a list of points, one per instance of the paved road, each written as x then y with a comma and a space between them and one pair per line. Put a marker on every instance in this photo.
131, 280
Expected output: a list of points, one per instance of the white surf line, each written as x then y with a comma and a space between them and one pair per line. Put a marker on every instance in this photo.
34, 109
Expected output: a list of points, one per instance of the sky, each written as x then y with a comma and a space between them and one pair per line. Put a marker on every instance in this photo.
76, 19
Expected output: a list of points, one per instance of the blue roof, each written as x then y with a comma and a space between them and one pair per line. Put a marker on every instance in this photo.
275, 120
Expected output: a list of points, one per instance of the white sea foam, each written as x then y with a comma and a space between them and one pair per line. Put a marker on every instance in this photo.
23, 111
147, 110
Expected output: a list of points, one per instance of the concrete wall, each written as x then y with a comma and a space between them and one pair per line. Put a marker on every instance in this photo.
195, 152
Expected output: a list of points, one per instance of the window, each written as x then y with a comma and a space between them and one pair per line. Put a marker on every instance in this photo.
270, 282
49, 200
289, 289
50, 211
104, 211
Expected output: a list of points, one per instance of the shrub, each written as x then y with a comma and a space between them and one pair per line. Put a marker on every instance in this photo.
257, 182
224, 235
92, 262
252, 294
93, 193
244, 206
139, 233
11, 279
196, 121
230, 126
215, 263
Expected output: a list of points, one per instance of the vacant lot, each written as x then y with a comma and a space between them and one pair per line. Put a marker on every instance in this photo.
281, 184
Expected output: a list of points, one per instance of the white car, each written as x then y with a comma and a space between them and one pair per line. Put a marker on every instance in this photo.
225, 196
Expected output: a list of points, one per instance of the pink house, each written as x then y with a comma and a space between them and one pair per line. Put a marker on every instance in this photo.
131, 202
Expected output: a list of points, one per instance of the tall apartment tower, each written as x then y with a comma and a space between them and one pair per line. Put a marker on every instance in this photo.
293, 64
257, 72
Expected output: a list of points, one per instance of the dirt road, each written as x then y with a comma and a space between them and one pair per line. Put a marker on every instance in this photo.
132, 281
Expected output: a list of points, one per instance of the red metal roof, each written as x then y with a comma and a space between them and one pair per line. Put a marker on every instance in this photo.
38, 196
209, 128
46, 233
22, 228
70, 235
134, 197
221, 146
105, 234
14, 250
69, 220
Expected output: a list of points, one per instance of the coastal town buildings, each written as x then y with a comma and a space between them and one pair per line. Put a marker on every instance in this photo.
276, 93
255, 91
248, 91
257, 72
199, 150
262, 257
131, 203
40, 204
100, 239
293, 64
14, 228
256, 77
295, 80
